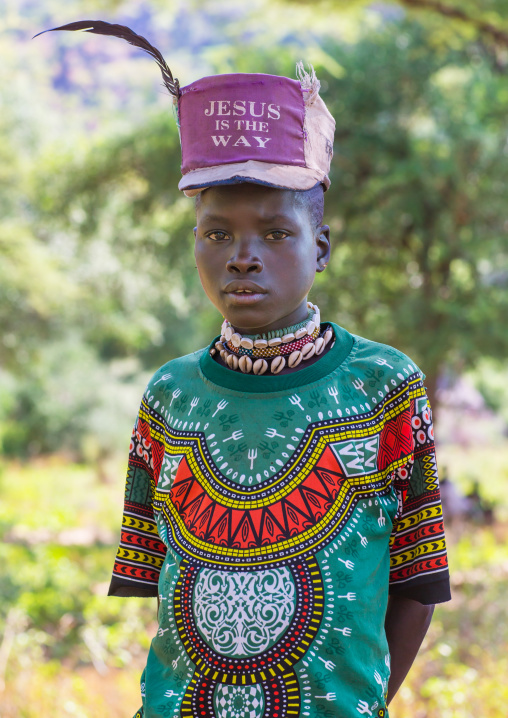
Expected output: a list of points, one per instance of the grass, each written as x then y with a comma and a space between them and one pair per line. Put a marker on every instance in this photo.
69, 650
52, 495
486, 463
460, 672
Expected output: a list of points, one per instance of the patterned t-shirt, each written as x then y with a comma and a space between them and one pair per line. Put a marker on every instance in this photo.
273, 515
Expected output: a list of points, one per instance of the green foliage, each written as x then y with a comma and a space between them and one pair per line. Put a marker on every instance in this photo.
96, 241
96, 267
490, 378
485, 462
450, 20
417, 197
458, 675
49, 596
66, 495
72, 650
58, 530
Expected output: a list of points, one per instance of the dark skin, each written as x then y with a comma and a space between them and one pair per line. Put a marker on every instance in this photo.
406, 625
257, 253
251, 238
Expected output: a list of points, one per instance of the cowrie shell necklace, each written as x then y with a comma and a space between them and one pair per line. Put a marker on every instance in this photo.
273, 351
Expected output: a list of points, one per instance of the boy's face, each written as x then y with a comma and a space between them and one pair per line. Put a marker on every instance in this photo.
257, 254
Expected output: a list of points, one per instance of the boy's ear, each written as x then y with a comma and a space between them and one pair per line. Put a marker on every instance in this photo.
323, 247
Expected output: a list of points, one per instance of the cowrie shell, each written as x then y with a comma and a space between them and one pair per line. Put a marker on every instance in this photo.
245, 364
232, 361
246, 343
308, 351
328, 335
260, 366
319, 344
288, 338
295, 358
274, 342
278, 364
311, 328
236, 339
219, 346
224, 355
261, 343
228, 333
301, 333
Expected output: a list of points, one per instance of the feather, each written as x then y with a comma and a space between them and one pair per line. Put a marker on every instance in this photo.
125, 33
308, 81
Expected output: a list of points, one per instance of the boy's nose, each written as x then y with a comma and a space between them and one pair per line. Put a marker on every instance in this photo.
244, 259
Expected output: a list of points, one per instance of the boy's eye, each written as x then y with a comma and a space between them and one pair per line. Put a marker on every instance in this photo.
217, 236
277, 234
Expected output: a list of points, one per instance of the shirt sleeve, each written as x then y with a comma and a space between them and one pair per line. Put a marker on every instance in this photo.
141, 553
418, 558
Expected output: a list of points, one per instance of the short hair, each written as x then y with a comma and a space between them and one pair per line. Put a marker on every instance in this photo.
312, 200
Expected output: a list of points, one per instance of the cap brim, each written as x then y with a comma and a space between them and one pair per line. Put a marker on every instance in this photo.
290, 177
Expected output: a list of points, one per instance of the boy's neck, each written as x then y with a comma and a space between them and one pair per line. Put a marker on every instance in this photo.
278, 329
280, 351
287, 370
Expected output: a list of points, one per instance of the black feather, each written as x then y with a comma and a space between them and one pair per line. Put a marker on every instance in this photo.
125, 33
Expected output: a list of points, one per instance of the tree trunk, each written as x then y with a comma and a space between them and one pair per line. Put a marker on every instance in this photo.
430, 383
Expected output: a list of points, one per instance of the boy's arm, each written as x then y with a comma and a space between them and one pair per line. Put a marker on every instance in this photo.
406, 624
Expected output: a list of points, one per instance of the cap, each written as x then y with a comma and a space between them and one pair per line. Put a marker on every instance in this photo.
251, 127
257, 128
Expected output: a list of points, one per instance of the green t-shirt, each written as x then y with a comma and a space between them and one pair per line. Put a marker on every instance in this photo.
273, 515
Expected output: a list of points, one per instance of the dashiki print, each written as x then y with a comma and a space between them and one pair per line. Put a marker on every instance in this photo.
273, 516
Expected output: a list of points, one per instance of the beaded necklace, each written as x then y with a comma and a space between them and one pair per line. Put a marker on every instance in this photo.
258, 353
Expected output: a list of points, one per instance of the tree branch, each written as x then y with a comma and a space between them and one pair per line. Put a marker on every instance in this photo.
484, 28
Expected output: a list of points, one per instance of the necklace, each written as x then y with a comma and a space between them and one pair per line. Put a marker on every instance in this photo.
258, 353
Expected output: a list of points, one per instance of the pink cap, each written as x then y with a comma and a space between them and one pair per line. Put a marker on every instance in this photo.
242, 128
254, 128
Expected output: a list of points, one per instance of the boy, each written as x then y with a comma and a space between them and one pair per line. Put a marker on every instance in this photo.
282, 496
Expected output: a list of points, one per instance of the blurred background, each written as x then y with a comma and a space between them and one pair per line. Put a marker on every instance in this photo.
98, 289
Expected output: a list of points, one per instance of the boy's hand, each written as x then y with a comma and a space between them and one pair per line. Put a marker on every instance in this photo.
406, 624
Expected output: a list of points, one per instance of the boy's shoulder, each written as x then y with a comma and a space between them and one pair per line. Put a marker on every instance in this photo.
369, 355
181, 369
366, 356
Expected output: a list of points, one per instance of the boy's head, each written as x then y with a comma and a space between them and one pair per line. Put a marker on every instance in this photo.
256, 150
257, 252
243, 127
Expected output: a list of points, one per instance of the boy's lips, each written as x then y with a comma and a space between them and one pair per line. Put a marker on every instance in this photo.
244, 292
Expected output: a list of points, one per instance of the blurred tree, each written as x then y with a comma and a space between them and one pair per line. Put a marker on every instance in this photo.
486, 20
97, 241
417, 203
449, 24
487, 17
417, 199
